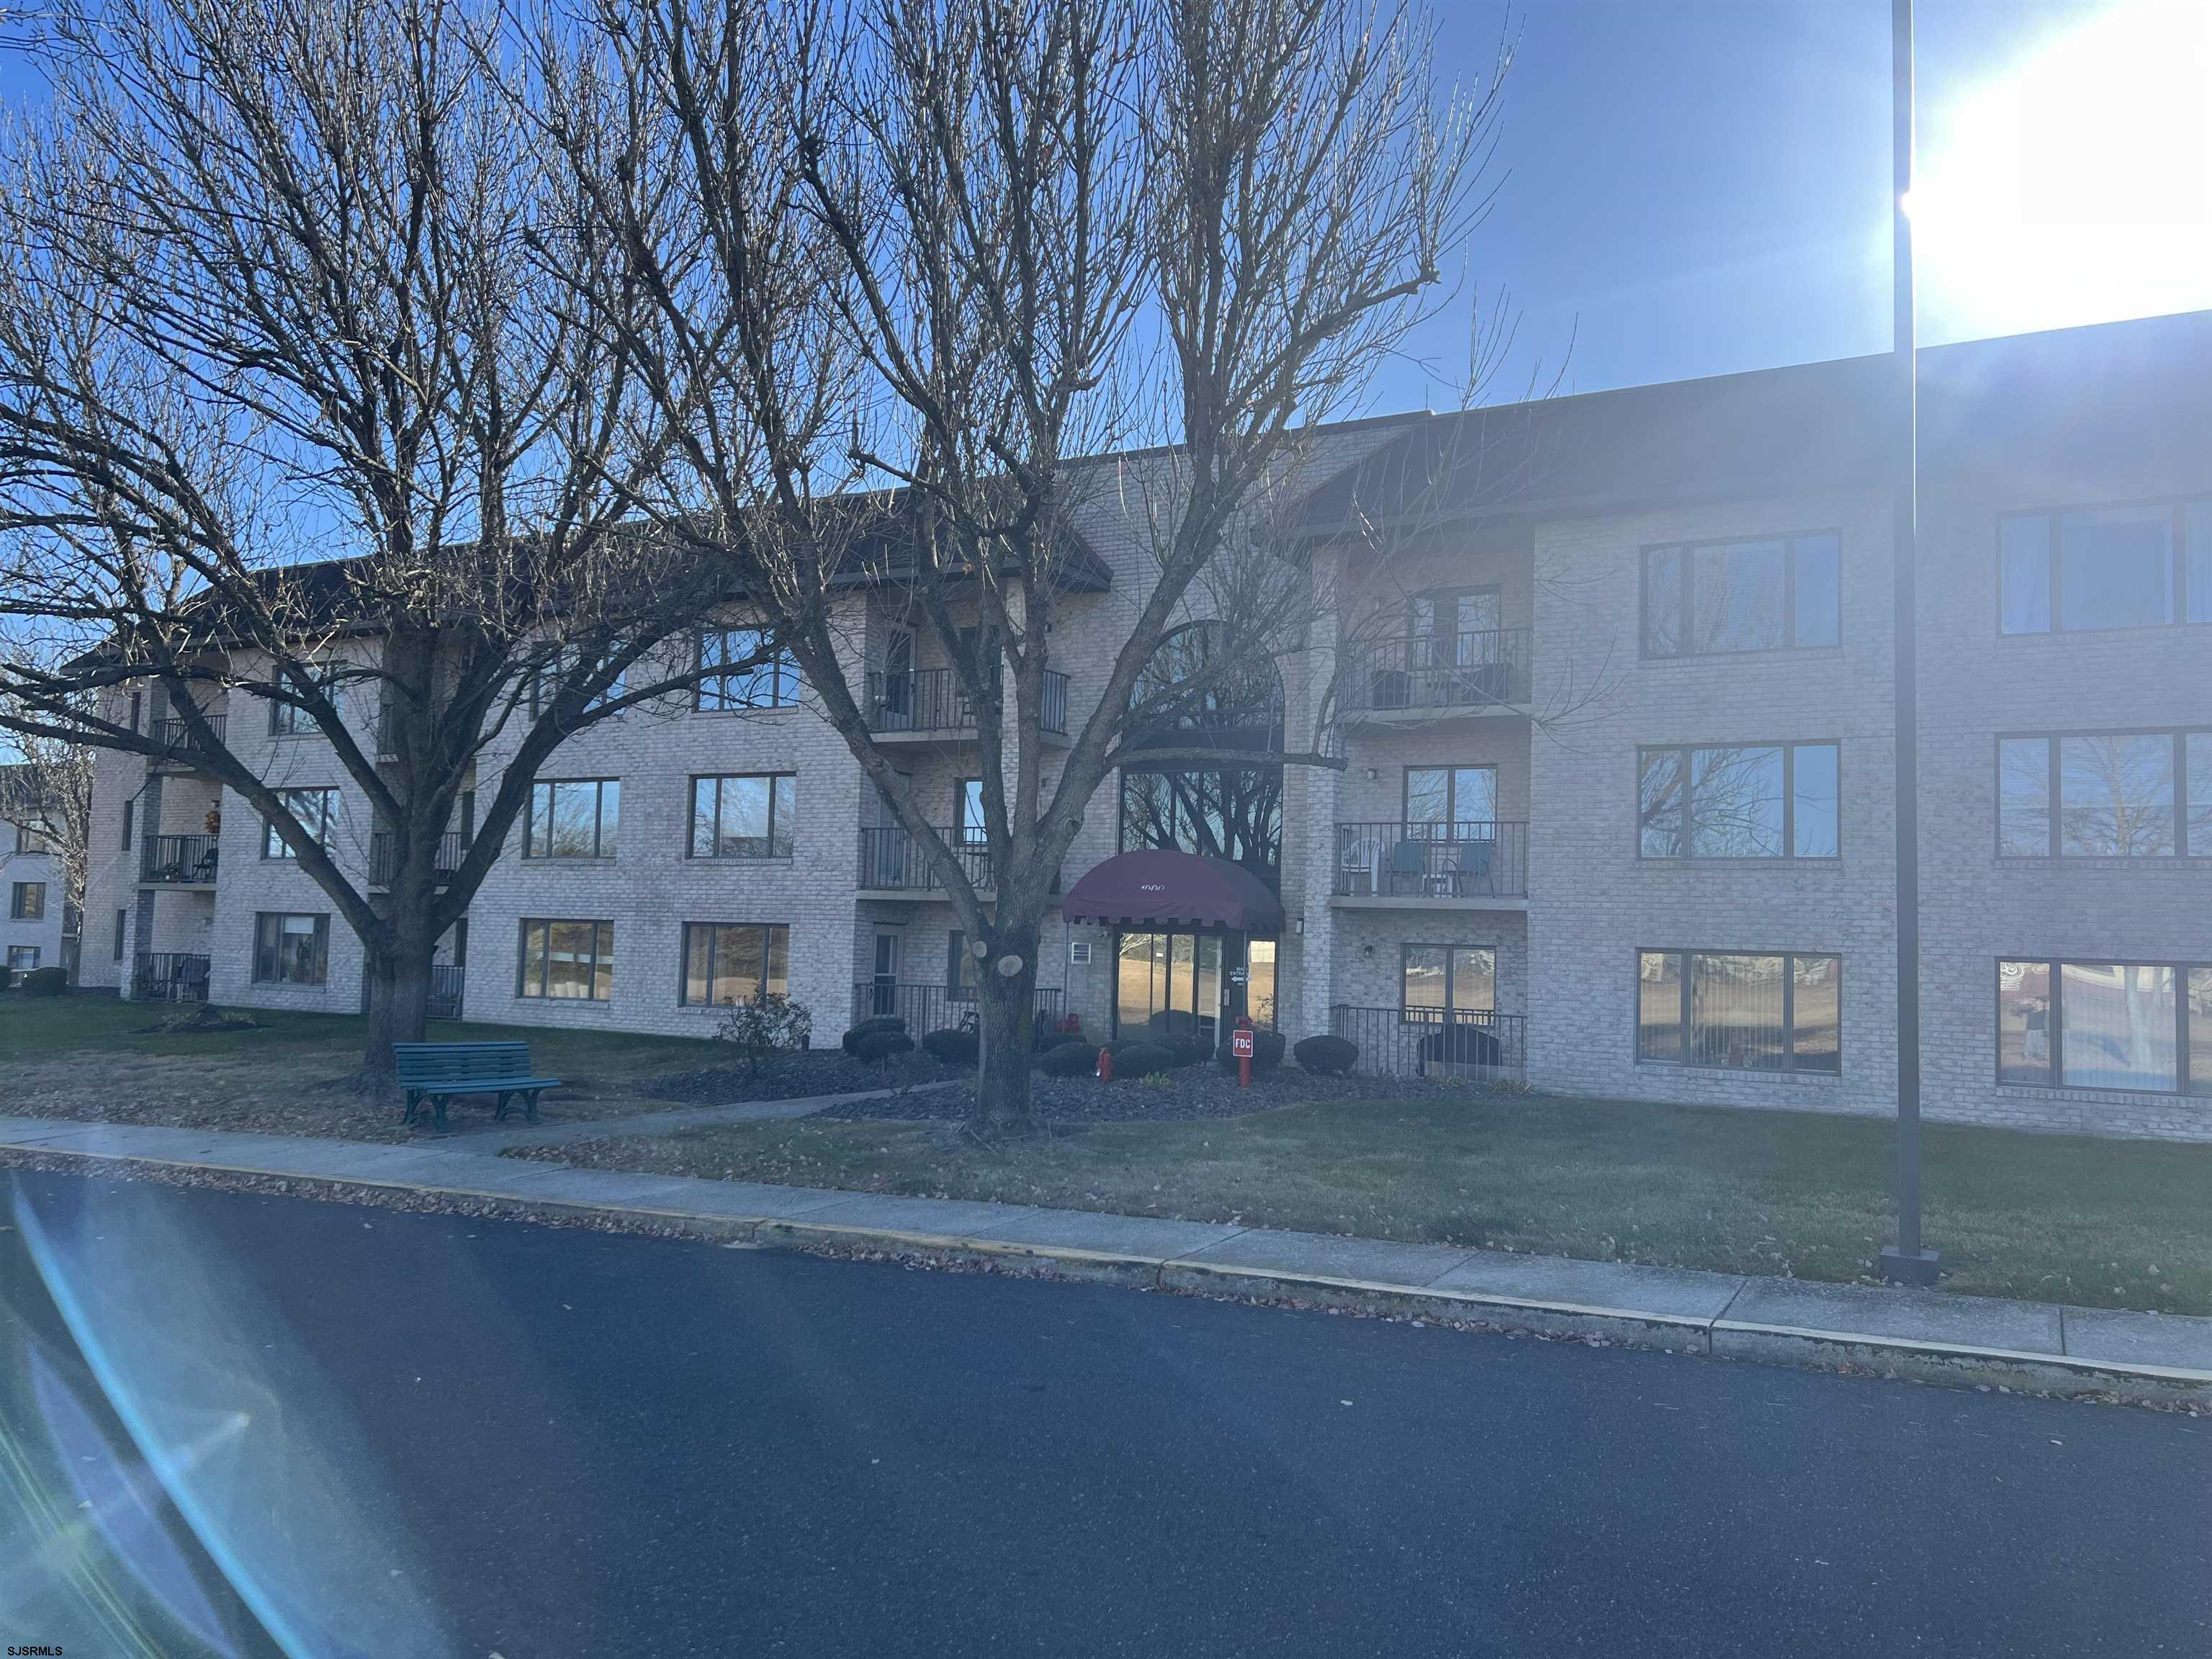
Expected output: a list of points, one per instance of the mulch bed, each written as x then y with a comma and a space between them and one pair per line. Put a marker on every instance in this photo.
793, 1076
1193, 1092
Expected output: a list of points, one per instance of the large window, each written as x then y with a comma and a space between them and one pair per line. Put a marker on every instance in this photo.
1234, 814
743, 817
31, 839
2135, 1025
1753, 1013
731, 680
1438, 981
316, 812
546, 682
969, 826
2115, 566
22, 958
1443, 796
568, 961
726, 963
2106, 794
1746, 801
291, 950
1202, 690
573, 818
291, 719
27, 902
1719, 598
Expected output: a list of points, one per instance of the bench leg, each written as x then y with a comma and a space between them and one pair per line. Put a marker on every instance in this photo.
530, 1105
438, 1102
413, 1104
499, 1110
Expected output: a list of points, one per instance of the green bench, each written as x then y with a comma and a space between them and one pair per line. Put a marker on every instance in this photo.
433, 1073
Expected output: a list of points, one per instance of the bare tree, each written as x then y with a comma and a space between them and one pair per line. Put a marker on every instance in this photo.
949, 248
283, 280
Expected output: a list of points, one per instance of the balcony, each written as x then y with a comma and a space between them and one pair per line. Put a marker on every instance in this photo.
938, 1007
1422, 678
169, 976
893, 868
1389, 866
177, 860
383, 857
181, 752
1467, 1045
926, 705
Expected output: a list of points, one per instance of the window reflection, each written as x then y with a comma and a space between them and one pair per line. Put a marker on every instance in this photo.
2117, 795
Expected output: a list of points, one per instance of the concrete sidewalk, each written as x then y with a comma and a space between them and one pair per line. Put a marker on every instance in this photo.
1930, 1334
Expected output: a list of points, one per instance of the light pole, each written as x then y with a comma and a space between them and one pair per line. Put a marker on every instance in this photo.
1906, 1262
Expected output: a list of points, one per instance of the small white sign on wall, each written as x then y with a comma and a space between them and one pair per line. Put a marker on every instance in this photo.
1079, 952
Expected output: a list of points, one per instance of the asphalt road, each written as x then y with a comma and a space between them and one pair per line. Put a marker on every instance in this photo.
393, 1433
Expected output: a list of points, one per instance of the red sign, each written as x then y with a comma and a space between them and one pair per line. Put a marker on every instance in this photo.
1240, 1044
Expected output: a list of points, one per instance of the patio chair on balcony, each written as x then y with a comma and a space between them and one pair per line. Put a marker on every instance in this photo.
1409, 864
1357, 863
204, 870
1471, 875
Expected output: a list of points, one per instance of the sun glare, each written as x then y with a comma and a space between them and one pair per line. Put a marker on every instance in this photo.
2076, 186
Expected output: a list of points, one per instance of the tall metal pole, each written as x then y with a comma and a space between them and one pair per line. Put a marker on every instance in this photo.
1906, 1262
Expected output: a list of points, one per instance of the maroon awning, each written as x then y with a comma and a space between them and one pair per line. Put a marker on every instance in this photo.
1155, 888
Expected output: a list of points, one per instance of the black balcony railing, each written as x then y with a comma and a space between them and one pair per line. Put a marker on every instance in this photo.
938, 1007
1434, 672
446, 984
889, 860
180, 746
169, 976
383, 856
1466, 860
1472, 1045
186, 860
930, 699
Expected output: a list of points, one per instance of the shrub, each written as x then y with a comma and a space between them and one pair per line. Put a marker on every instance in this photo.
872, 1046
1462, 1045
1141, 1060
1187, 1050
1267, 1053
7, 976
1069, 1060
1052, 1040
761, 1023
851, 1040
1323, 1056
952, 1047
44, 982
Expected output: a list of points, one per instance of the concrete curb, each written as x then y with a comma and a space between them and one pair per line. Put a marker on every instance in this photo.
1925, 1359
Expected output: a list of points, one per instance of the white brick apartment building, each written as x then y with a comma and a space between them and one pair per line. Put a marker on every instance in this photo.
34, 889
1617, 790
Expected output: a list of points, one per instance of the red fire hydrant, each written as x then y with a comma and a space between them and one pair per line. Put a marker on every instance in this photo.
1105, 1066
1240, 1044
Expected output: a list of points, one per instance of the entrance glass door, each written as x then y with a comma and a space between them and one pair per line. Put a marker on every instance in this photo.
1168, 984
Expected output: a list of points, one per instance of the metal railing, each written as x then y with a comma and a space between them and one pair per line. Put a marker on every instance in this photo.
1435, 671
930, 699
452, 848
938, 1007
169, 976
1474, 1045
187, 860
176, 741
1481, 859
889, 860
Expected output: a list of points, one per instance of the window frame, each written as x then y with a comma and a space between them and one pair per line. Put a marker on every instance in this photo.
2054, 801
779, 668
2178, 596
599, 853
1790, 540
273, 849
15, 951
19, 893
1789, 746
1687, 981
544, 993
1451, 770
285, 719
961, 788
122, 928
1408, 1015
781, 783
766, 930
2055, 1025
321, 933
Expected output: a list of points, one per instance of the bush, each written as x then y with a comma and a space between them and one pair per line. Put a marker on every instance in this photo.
872, 1046
1188, 1050
851, 1040
764, 1023
1141, 1060
1076, 1059
952, 1047
7, 976
1324, 1056
1052, 1040
44, 982
1267, 1053
1462, 1045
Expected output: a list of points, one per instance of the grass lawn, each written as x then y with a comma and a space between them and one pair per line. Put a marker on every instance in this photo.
81, 1057
2104, 1223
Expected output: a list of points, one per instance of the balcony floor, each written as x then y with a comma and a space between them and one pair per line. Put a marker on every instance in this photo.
1427, 901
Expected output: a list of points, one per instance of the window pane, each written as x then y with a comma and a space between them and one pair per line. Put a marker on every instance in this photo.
540, 844
610, 815
1260, 987
1474, 794
2117, 1026
1819, 591
745, 817
2196, 530
568, 952
1428, 794
698, 963
1738, 597
1659, 1006
296, 951
2116, 567
703, 817
1735, 1013
2199, 761
2023, 559
2024, 797
2024, 1022
2115, 796
603, 969
1135, 997
1662, 602
783, 820
971, 824
1735, 803
2200, 1031
1659, 804
738, 964
779, 962
1425, 968
1816, 1039
1814, 800
1475, 980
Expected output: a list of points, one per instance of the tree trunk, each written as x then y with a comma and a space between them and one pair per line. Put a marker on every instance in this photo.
1007, 1006
399, 981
